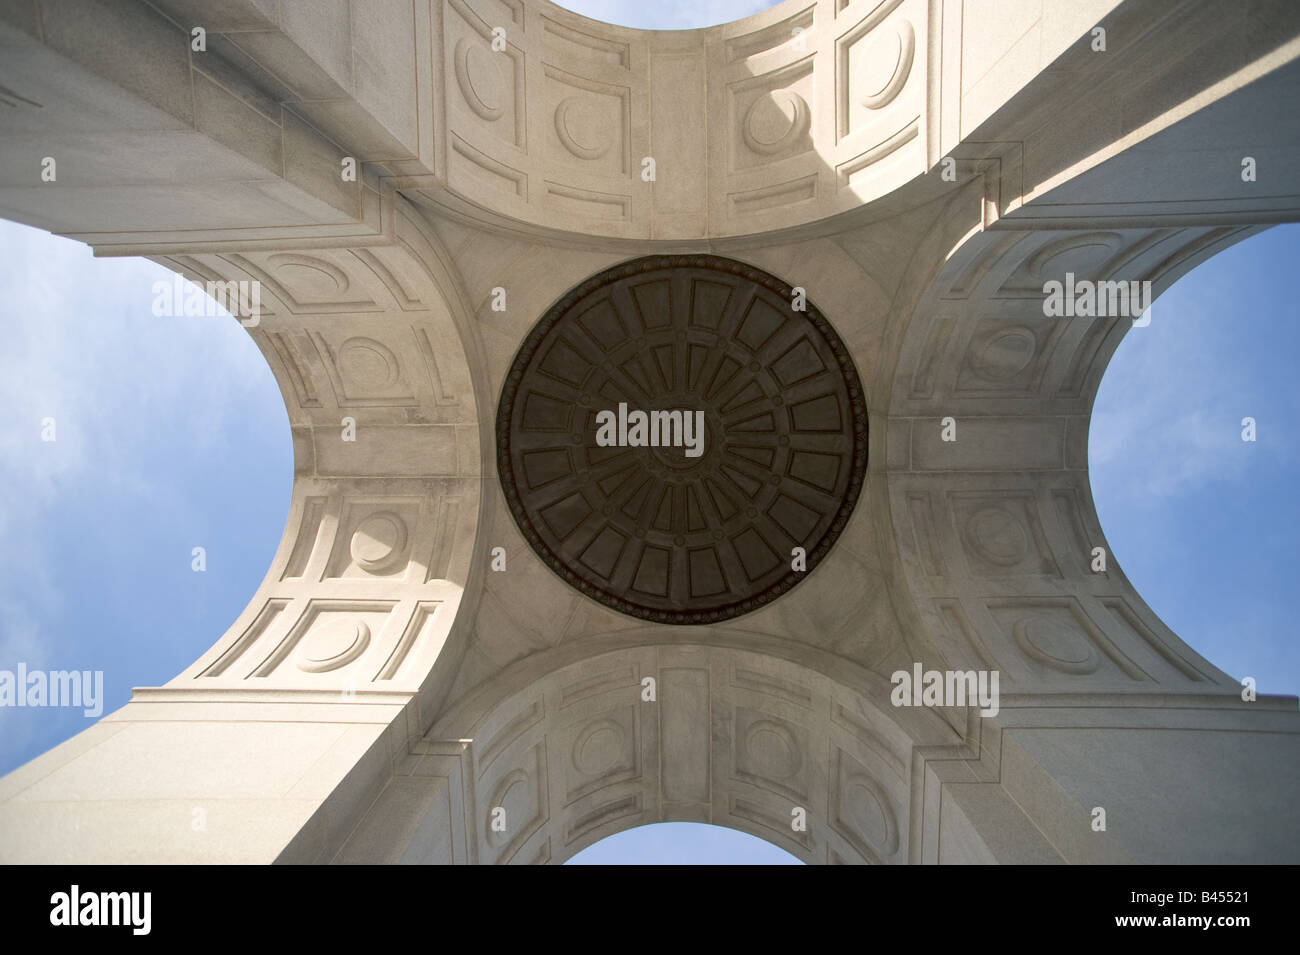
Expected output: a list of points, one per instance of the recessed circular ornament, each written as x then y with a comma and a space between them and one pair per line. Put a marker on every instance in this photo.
773, 750
1006, 353
379, 541
775, 121
868, 808
997, 536
582, 127
672, 429
887, 64
334, 644
1055, 646
598, 747
366, 362
480, 79
307, 276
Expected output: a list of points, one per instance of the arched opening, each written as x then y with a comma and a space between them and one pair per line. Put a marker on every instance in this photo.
567, 748
132, 439
682, 843
1193, 463
673, 15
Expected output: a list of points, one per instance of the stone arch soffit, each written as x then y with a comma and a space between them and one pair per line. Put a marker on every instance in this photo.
376, 572
818, 111
515, 682
801, 156
976, 523
736, 735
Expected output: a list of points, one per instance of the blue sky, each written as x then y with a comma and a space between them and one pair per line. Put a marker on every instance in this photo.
171, 434
1203, 523
682, 843
666, 14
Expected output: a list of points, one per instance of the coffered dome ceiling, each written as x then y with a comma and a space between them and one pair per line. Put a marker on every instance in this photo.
643, 515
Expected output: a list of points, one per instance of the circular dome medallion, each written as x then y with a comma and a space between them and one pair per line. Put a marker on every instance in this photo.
672, 429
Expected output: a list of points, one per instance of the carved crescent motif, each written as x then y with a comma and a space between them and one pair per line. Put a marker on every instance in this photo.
368, 363
1027, 633
474, 62
902, 69
334, 645
795, 111
379, 542
566, 135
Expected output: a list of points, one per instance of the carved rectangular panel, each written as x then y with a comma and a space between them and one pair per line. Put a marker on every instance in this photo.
600, 750
567, 41
375, 537
1001, 534
881, 93
421, 629
513, 804
1174, 664
772, 753
309, 530
770, 116
591, 131
868, 812
685, 726
1007, 355
265, 620
330, 636
485, 84
1055, 637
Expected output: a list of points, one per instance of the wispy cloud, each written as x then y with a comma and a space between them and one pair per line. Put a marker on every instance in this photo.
82, 347
1168, 416
1202, 522
92, 362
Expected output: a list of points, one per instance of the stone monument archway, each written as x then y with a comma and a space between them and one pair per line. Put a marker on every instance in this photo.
752, 441
415, 660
